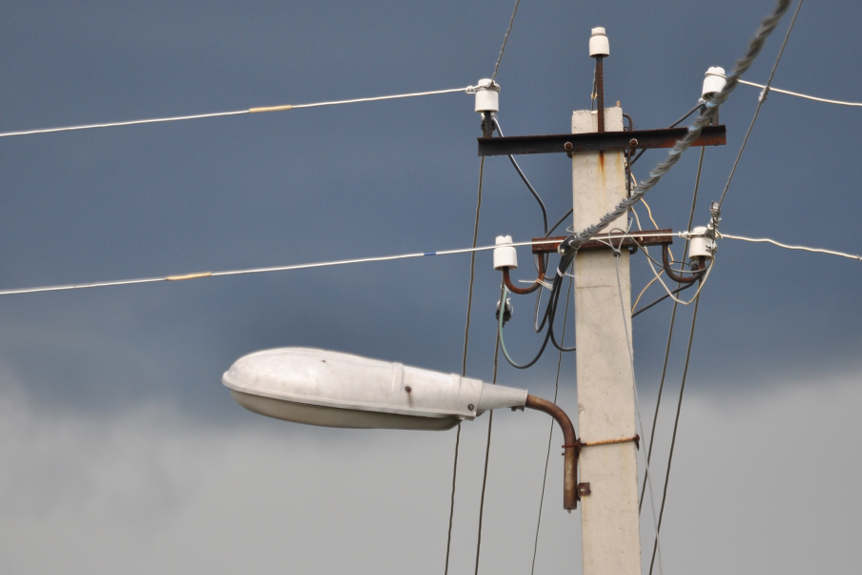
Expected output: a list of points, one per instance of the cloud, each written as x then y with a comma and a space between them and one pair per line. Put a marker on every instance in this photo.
760, 481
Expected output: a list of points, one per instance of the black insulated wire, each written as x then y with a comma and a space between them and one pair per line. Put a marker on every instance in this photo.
526, 181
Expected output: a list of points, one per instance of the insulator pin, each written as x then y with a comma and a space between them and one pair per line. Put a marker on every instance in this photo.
714, 81
505, 256
487, 96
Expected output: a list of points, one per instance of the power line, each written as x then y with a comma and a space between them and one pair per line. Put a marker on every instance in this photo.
270, 269
657, 301
464, 358
674, 434
551, 430
639, 419
253, 110
527, 183
487, 456
801, 95
505, 39
670, 336
395, 257
856, 257
760, 101
767, 25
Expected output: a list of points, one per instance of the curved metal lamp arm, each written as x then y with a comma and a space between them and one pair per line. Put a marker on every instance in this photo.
571, 447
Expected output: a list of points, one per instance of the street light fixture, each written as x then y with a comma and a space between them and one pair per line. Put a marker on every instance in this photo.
335, 389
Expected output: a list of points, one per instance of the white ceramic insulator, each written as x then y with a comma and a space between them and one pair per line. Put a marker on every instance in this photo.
714, 81
487, 96
505, 256
599, 45
699, 244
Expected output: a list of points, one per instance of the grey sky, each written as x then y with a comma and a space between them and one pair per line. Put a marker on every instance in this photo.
121, 446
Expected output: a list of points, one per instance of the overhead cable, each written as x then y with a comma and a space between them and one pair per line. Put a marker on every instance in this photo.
464, 359
803, 96
395, 257
673, 313
767, 25
849, 256
624, 316
505, 39
760, 100
527, 183
487, 458
657, 301
253, 110
655, 546
270, 269
550, 430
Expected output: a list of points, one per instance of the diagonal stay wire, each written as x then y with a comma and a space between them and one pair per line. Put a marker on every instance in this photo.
464, 359
760, 100
767, 25
488, 445
669, 336
550, 431
505, 39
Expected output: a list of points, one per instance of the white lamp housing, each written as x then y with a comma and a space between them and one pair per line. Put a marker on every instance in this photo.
505, 256
599, 45
487, 96
699, 244
714, 81
336, 389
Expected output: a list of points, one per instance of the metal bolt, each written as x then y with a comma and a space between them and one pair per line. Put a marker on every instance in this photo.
633, 143
569, 147
408, 389
470, 406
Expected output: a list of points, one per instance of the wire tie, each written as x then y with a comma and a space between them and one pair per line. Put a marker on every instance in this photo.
636, 439
192, 276
282, 108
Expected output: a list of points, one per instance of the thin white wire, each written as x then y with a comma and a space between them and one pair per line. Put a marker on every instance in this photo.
643, 291
464, 89
253, 110
667, 289
639, 418
292, 267
412, 255
803, 96
791, 246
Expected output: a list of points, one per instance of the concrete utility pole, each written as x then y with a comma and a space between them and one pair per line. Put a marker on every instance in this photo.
606, 408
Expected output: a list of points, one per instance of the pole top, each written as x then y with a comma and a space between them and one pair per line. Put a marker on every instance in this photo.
599, 45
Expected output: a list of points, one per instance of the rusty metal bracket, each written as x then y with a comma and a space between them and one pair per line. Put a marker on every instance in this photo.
595, 142
584, 489
631, 242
